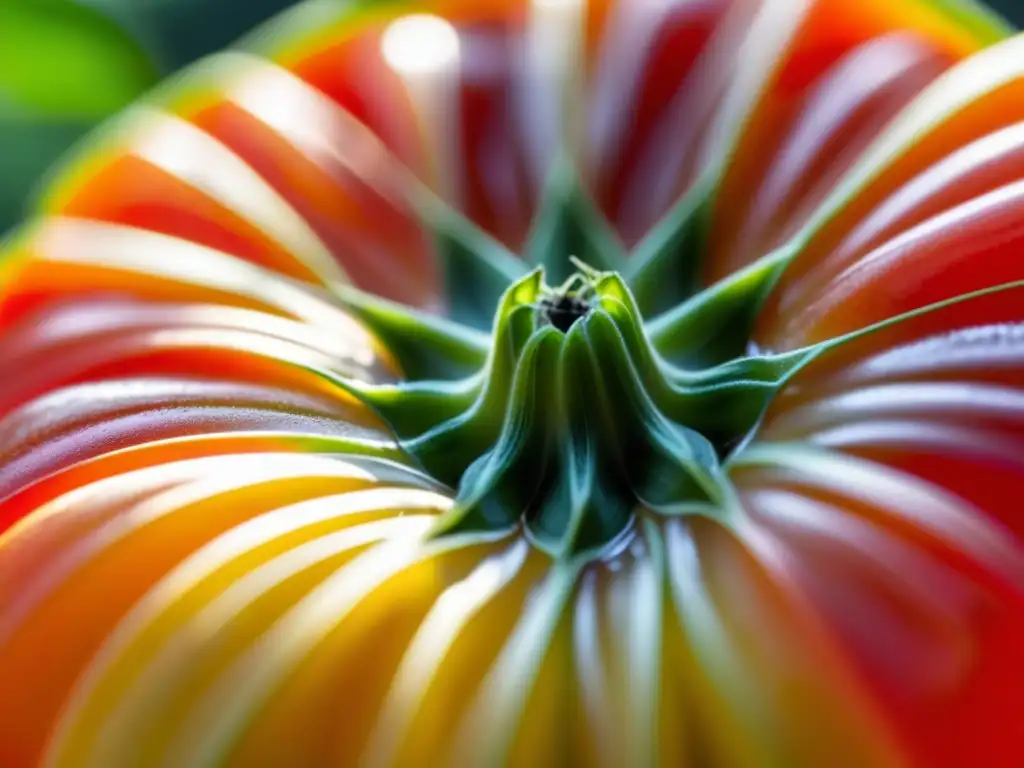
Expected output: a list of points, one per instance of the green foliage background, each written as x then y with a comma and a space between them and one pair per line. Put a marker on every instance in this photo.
67, 64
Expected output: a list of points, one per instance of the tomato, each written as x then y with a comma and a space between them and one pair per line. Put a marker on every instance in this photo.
308, 455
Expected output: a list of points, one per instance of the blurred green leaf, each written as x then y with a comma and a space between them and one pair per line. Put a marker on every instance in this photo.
65, 65
61, 59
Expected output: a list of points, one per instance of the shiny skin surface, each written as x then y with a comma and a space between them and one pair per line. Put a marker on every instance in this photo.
196, 569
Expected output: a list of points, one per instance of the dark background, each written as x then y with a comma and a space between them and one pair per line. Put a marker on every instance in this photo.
1011, 9
224, 17
222, 21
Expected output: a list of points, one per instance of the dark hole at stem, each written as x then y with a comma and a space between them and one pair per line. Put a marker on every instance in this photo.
564, 310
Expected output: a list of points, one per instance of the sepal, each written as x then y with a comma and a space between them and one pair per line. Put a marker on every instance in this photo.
497, 488
425, 346
715, 325
664, 269
476, 269
570, 225
585, 502
664, 461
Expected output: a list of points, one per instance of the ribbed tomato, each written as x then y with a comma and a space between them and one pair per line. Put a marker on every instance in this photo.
529, 382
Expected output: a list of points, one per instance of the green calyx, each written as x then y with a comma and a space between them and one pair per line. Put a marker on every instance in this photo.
572, 411
573, 424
